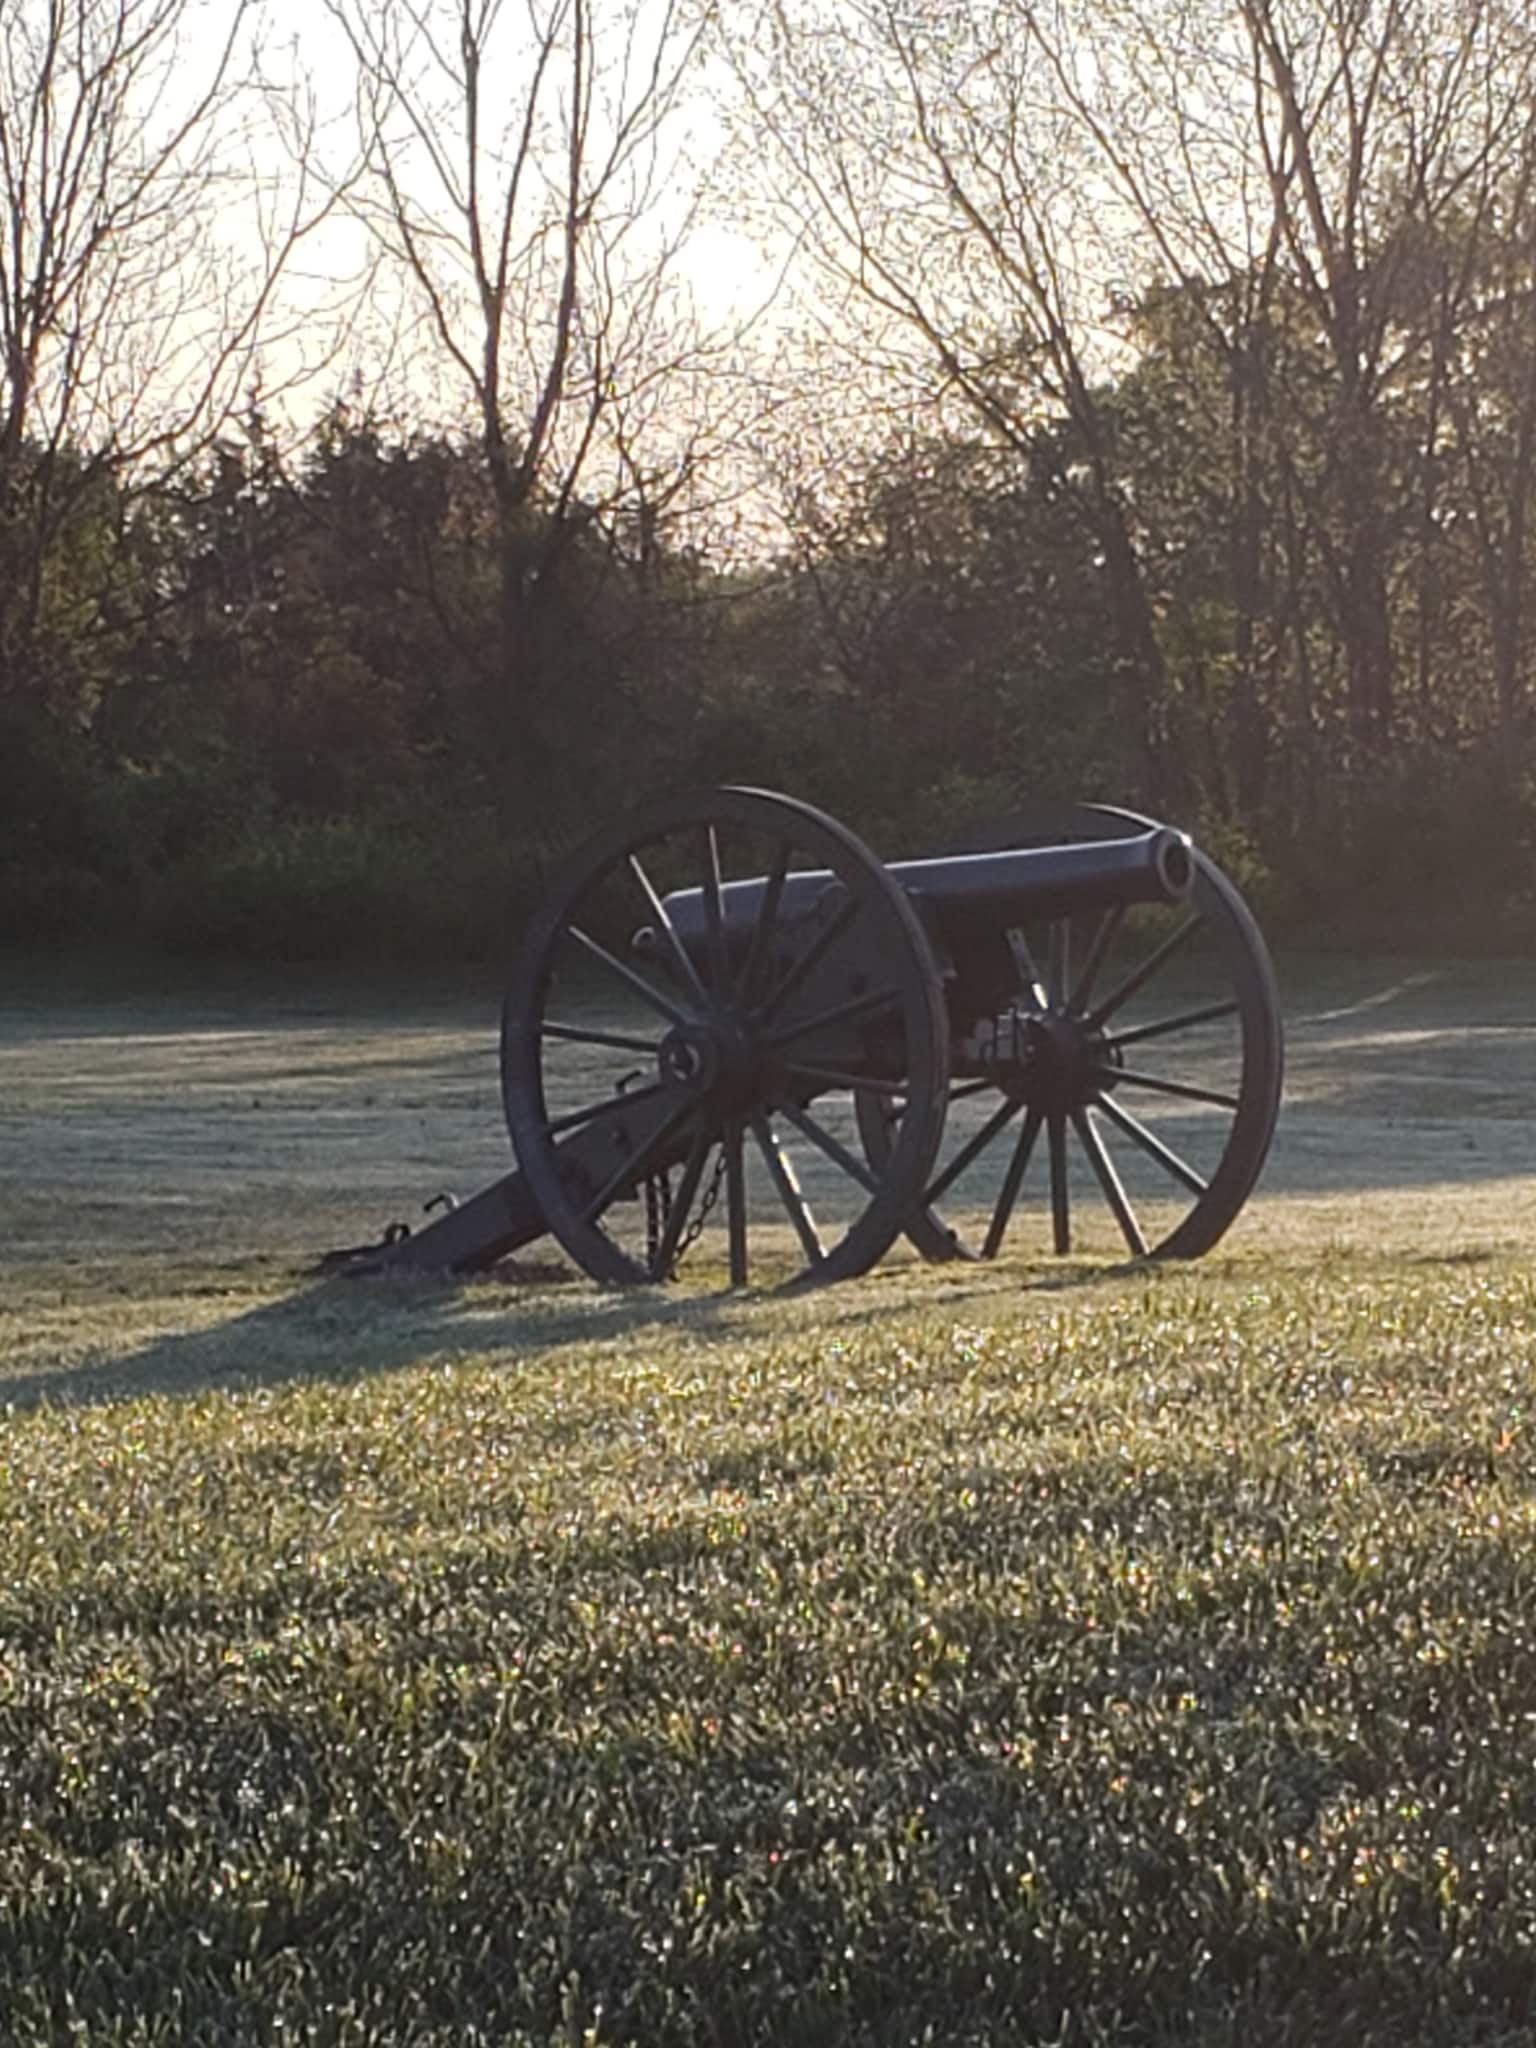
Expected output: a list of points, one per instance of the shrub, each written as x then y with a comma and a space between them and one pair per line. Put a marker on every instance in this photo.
43, 900
341, 889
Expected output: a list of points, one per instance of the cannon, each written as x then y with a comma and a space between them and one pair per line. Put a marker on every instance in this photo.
733, 1036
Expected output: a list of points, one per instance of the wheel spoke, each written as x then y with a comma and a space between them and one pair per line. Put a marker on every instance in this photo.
642, 988
626, 1098
675, 946
1144, 973
1128, 1077
677, 1216
714, 915
1024, 964
1109, 1181
736, 1202
976, 1145
841, 1013
578, 1034
782, 1174
793, 975
1185, 1021
763, 927
1103, 938
1061, 959
1061, 1210
636, 1164
1012, 1180
1151, 1144
836, 1151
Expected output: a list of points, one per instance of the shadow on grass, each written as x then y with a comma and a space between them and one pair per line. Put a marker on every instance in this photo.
343, 1329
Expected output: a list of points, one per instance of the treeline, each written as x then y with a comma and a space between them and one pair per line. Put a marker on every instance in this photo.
282, 708
285, 708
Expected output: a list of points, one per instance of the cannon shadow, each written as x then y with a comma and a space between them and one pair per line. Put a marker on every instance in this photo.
339, 1330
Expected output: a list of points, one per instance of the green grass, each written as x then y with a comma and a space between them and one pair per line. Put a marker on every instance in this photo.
1028, 1654
1139, 1658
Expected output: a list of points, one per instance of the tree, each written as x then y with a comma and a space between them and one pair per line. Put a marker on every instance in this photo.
145, 233
142, 246
1323, 181
525, 173
939, 187
1486, 373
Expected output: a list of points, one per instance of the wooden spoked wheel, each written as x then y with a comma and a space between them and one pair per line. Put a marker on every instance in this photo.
705, 994
1121, 1085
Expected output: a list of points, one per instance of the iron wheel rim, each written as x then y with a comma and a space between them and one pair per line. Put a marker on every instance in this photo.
734, 1098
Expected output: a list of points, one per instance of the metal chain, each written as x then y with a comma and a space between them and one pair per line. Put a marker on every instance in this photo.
690, 1235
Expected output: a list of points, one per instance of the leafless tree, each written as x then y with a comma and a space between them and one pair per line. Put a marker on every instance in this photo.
943, 190
1012, 185
528, 174
1361, 194
145, 231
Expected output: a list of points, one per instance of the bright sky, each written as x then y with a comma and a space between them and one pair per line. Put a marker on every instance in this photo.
724, 268
174, 298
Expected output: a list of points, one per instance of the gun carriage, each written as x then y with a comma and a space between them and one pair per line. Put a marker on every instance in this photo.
735, 1036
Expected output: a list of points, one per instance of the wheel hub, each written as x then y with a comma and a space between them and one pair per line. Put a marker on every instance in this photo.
718, 1061
689, 1057
1051, 1060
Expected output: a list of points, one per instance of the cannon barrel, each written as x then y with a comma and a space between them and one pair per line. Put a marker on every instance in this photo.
966, 890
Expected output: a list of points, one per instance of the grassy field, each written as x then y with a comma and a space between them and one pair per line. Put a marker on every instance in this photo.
1048, 1652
